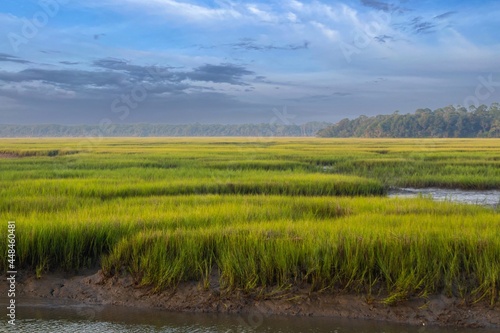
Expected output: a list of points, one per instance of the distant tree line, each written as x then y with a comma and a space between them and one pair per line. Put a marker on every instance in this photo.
447, 122
162, 130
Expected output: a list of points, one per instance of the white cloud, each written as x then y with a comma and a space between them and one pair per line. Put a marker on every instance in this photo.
37, 89
297, 5
331, 34
351, 14
316, 9
261, 14
291, 17
186, 10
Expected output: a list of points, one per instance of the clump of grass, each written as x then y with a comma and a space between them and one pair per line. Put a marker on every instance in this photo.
162, 258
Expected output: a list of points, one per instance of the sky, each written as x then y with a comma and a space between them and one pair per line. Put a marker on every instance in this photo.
229, 62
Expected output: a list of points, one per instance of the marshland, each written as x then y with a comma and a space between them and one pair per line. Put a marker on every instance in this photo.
262, 215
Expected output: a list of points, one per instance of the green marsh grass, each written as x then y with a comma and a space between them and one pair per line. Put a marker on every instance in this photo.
261, 213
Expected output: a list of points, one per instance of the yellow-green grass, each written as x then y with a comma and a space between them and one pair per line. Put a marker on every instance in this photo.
263, 213
398, 247
452, 163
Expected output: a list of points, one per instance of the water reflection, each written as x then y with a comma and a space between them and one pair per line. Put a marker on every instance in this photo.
486, 198
42, 316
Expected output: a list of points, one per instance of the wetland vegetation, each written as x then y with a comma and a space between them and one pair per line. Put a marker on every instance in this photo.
264, 214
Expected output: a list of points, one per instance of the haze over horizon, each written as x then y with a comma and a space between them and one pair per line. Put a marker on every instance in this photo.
222, 61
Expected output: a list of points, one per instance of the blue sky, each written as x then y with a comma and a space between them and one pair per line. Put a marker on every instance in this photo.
223, 61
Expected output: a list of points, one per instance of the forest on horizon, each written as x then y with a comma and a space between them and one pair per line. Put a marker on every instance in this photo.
447, 122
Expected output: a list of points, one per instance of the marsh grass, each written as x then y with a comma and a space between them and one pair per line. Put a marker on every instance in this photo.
264, 215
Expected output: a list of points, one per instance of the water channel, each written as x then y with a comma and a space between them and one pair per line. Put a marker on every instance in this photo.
487, 197
39, 316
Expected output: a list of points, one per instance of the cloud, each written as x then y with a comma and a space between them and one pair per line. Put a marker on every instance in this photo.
314, 9
192, 12
139, 73
331, 34
112, 63
50, 52
342, 94
320, 98
379, 5
69, 63
68, 95
10, 58
115, 76
384, 38
36, 90
420, 26
292, 17
445, 15
224, 73
98, 36
65, 77
249, 44
261, 14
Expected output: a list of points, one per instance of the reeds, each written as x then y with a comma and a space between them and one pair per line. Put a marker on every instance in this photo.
272, 215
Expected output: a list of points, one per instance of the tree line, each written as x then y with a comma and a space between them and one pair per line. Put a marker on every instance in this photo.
447, 122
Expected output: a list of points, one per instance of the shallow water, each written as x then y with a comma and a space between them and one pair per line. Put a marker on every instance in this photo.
47, 316
486, 198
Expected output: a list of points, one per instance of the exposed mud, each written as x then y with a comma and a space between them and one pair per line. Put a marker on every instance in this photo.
92, 287
4, 155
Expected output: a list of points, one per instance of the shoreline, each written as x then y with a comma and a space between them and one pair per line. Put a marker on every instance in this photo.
91, 287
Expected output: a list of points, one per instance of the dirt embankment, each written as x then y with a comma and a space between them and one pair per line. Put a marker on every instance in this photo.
93, 288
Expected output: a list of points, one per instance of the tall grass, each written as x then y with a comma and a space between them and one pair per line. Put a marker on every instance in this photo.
262, 214
367, 253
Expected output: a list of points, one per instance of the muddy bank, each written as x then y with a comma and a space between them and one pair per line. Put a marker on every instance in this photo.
92, 287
